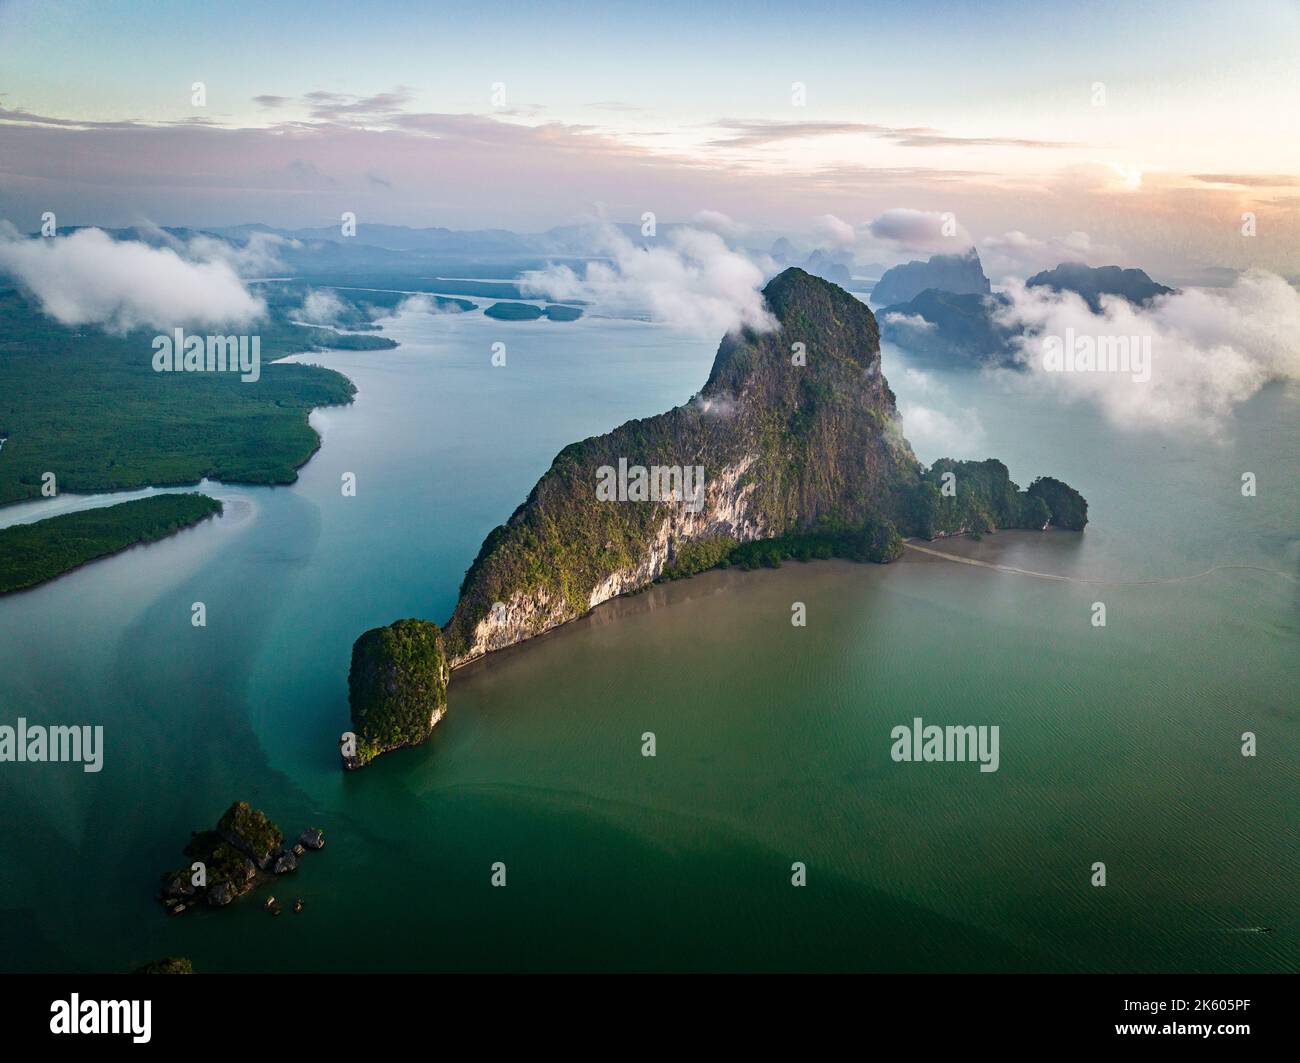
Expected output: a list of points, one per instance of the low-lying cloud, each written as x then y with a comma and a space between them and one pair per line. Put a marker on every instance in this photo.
1017, 254
834, 232
935, 433
724, 225
913, 322
257, 256
422, 304
1211, 349
88, 278
321, 307
933, 419
687, 278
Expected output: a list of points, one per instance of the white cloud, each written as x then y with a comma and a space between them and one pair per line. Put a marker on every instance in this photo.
1211, 349
1018, 255
936, 434
834, 232
322, 307
690, 279
915, 322
716, 222
1105, 178
720, 407
920, 230
89, 278
420, 304
257, 257
917, 380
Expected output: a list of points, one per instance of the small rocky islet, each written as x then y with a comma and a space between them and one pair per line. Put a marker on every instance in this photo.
397, 689
245, 850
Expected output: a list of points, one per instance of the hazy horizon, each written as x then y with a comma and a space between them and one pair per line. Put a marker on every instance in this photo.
1123, 132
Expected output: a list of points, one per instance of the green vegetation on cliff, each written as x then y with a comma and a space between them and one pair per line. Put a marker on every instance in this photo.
795, 443
36, 552
795, 430
1068, 508
972, 496
244, 843
250, 831
797, 434
397, 687
875, 540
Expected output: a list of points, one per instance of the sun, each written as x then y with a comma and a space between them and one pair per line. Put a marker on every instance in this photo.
1127, 178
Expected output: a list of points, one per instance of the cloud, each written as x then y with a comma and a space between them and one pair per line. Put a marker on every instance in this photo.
690, 280
920, 230
935, 434
1248, 180
1016, 254
722, 224
348, 109
724, 407
258, 256
915, 322
1102, 178
917, 380
617, 105
1210, 350
758, 132
834, 232
931, 417
309, 175
89, 278
423, 304
529, 175
321, 307
18, 116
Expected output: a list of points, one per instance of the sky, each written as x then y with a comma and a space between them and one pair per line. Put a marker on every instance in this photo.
1139, 133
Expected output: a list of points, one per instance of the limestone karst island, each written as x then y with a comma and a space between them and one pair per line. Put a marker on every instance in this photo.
652, 442
799, 439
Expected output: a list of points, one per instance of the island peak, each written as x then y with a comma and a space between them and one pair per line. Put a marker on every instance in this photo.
793, 448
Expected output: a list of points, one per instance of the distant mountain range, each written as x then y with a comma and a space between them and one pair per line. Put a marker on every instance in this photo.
322, 253
955, 329
838, 266
959, 274
962, 328
942, 308
1132, 284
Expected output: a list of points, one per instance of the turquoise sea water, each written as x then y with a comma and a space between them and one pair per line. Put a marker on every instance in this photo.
1119, 745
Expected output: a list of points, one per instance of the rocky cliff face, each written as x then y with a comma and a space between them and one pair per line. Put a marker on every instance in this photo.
791, 449
795, 429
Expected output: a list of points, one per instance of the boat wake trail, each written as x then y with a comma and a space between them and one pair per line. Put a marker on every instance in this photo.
1082, 579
